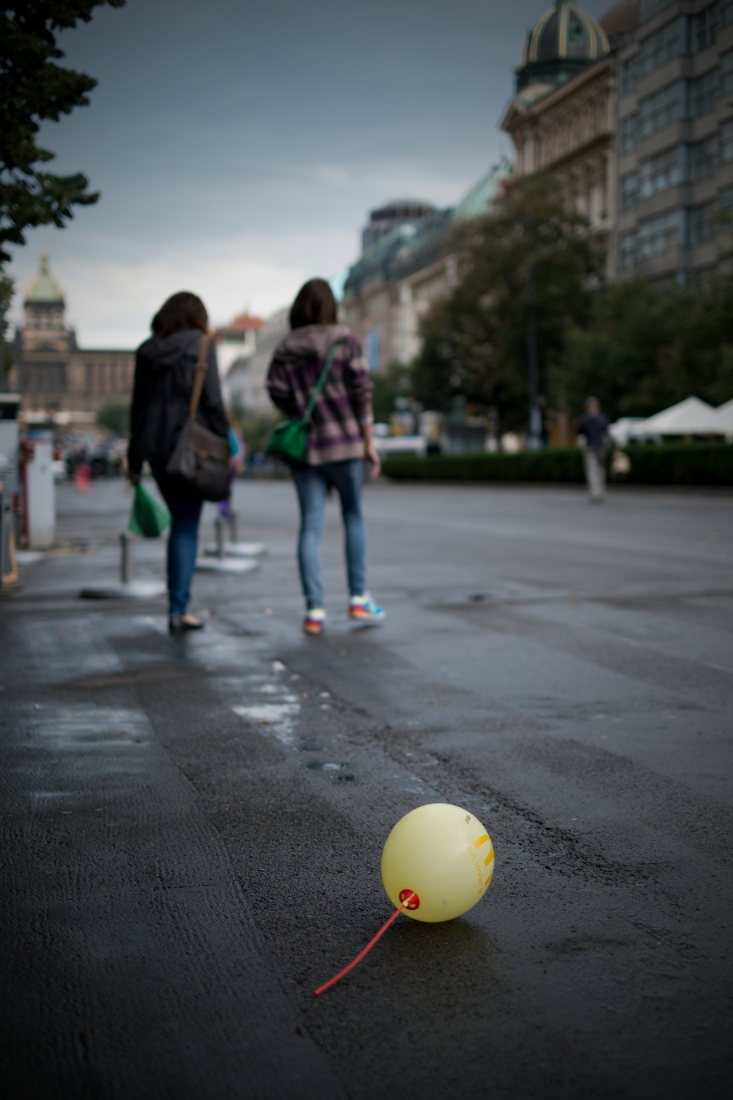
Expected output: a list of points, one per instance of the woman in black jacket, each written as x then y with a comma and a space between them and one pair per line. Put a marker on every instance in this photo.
164, 370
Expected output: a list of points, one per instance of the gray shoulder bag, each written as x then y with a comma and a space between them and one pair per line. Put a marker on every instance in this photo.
201, 458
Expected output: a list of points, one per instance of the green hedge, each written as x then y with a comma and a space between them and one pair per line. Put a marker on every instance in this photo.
674, 464
681, 464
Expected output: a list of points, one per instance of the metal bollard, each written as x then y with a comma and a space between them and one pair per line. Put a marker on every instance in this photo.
4, 533
219, 530
125, 558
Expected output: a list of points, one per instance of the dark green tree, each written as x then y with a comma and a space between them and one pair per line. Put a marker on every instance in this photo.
642, 350
35, 89
115, 415
531, 255
389, 386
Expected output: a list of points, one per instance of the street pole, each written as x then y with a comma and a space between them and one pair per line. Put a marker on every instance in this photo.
6, 297
3, 375
534, 442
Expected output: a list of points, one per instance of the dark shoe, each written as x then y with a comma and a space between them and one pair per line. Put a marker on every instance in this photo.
178, 625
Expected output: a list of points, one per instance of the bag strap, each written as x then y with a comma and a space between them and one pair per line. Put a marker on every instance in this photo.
199, 375
321, 382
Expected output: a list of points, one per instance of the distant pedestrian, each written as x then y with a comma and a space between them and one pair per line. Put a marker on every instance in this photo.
340, 442
164, 376
593, 437
82, 469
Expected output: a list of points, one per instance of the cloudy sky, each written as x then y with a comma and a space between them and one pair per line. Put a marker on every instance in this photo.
239, 147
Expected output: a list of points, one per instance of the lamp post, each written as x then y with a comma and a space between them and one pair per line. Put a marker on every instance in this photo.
534, 441
6, 294
3, 375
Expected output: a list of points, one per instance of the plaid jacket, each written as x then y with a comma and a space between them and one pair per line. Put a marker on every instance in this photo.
345, 402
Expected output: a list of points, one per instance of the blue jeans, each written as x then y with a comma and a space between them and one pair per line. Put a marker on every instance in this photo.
311, 483
182, 541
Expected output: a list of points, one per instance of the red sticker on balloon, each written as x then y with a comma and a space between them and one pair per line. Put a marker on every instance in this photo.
413, 903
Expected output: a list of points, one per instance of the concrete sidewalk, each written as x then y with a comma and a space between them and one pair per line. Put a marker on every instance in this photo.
193, 827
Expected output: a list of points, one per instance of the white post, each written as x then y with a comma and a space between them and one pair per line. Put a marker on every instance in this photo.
41, 503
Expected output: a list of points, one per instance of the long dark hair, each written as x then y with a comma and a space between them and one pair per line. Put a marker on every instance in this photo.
314, 305
182, 311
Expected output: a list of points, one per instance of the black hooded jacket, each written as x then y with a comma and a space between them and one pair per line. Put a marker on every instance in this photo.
164, 369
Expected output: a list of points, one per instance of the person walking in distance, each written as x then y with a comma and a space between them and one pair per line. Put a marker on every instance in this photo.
340, 442
593, 438
164, 377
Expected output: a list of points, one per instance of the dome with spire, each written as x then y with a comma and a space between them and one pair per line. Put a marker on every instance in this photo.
44, 289
562, 43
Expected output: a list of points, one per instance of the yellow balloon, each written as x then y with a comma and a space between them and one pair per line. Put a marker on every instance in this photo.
444, 855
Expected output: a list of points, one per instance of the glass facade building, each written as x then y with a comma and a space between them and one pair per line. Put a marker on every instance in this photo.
675, 140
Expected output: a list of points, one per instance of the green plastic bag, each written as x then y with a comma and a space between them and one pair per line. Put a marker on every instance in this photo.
149, 516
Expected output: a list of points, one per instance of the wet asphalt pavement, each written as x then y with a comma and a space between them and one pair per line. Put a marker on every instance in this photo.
192, 828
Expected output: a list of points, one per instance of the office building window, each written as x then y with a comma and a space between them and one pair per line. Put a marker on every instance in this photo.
629, 133
668, 42
726, 201
648, 8
726, 13
704, 92
726, 72
726, 141
629, 75
658, 110
627, 249
704, 157
658, 173
705, 27
659, 234
705, 222
629, 190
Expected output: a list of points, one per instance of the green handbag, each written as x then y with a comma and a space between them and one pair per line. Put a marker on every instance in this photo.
149, 516
290, 438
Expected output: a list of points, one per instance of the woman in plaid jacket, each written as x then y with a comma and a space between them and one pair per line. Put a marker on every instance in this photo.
340, 442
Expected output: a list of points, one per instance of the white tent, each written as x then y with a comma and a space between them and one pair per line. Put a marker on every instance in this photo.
689, 417
720, 420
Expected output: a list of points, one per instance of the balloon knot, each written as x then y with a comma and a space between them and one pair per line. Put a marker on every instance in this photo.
409, 899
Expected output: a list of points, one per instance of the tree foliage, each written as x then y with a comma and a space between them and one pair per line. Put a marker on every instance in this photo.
115, 415
530, 254
34, 89
642, 350
389, 386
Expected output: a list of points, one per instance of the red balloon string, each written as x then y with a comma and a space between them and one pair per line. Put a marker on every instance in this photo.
342, 973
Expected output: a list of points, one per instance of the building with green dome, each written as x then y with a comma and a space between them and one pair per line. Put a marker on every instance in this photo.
562, 43
562, 118
59, 381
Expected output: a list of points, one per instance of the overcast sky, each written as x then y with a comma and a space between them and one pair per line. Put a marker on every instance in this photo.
238, 147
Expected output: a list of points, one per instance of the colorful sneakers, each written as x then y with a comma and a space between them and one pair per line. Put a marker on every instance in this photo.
363, 609
314, 620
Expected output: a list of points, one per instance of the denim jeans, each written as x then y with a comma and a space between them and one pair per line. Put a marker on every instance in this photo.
182, 541
311, 483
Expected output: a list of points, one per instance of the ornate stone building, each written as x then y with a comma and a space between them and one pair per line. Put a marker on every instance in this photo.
408, 260
58, 380
563, 116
